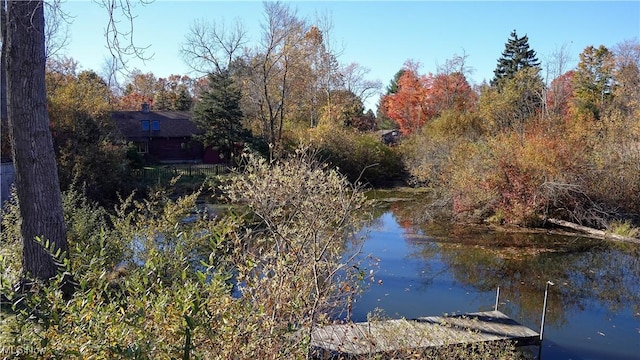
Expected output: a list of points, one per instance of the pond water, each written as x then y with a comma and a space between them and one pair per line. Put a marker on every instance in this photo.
429, 268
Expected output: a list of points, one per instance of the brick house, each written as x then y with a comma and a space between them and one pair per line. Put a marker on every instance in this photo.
163, 136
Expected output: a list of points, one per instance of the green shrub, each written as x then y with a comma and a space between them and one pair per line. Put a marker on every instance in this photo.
359, 156
623, 228
143, 284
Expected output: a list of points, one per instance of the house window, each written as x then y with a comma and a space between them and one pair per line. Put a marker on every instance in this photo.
143, 147
155, 125
145, 125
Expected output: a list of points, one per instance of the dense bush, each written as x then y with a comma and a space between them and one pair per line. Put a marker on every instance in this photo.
81, 129
359, 156
157, 280
140, 285
425, 153
585, 171
526, 151
612, 172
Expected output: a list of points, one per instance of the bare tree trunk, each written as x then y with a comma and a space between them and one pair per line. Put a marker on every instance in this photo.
594, 233
37, 183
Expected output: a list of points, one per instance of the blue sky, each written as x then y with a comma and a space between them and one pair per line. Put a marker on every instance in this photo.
379, 35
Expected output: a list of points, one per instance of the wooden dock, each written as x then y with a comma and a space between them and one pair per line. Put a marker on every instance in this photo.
392, 336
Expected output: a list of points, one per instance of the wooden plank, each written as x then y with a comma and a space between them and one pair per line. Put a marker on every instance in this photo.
421, 333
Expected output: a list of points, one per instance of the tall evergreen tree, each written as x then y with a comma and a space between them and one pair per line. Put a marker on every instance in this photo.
517, 83
516, 56
392, 88
382, 119
218, 114
184, 100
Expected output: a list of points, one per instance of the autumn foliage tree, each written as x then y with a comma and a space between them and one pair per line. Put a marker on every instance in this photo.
79, 110
514, 104
174, 93
409, 106
559, 96
452, 92
344, 109
526, 149
290, 77
626, 89
592, 82
420, 98
140, 88
132, 102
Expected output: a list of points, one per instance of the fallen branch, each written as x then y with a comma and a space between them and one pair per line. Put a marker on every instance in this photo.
594, 233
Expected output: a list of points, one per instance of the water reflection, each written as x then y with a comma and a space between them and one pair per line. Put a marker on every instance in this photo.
428, 268
585, 270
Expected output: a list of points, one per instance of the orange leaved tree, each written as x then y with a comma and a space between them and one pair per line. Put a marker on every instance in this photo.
409, 107
420, 98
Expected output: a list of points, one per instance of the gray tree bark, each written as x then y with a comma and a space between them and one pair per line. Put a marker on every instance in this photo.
37, 184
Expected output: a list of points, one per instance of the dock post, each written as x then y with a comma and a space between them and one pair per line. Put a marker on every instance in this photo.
497, 298
544, 308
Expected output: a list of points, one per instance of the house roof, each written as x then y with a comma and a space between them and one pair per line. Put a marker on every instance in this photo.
172, 124
387, 132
